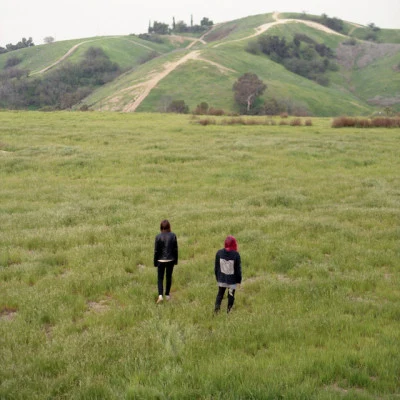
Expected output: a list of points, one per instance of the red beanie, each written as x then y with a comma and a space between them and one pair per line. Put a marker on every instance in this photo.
230, 243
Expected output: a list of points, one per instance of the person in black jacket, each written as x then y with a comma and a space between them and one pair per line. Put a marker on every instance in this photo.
165, 258
228, 272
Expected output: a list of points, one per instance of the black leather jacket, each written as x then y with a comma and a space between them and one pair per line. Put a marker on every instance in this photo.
166, 248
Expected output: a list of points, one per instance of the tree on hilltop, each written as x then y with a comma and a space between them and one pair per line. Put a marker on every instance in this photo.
206, 22
48, 39
20, 45
160, 28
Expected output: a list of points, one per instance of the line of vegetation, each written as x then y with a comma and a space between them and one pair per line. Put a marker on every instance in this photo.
60, 89
371, 33
302, 56
377, 122
20, 45
271, 106
150, 37
254, 121
336, 24
162, 28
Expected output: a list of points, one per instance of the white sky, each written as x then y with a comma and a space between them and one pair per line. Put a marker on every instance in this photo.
87, 18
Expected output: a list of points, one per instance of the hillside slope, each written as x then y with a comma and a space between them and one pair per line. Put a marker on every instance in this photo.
204, 69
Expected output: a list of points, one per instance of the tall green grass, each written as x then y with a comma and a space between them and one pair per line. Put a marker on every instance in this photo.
316, 214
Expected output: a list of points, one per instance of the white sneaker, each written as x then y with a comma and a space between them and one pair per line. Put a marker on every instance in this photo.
160, 299
168, 297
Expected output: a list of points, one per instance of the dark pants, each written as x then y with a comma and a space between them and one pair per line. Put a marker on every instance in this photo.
220, 296
163, 267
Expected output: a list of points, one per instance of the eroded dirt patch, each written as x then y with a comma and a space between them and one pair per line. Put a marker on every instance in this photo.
8, 313
98, 307
363, 54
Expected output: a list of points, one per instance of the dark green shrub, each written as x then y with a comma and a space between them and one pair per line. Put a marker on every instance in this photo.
12, 61
178, 106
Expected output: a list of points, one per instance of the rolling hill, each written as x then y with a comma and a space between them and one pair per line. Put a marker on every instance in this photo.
204, 69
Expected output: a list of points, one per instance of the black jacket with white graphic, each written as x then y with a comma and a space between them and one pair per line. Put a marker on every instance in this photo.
228, 268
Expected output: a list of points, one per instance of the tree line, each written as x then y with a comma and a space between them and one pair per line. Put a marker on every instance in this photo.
247, 92
336, 24
20, 45
162, 28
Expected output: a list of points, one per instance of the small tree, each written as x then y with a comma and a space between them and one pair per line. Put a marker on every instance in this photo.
48, 39
178, 106
388, 111
180, 27
206, 22
12, 62
160, 28
247, 90
201, 108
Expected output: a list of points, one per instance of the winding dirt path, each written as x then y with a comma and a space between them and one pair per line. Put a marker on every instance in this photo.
66, 55
150, 84
262, 28
72, 50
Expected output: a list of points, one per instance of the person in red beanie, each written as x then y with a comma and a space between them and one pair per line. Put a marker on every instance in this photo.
228, 272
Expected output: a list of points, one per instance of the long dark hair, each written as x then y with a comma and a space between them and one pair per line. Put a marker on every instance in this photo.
165, 226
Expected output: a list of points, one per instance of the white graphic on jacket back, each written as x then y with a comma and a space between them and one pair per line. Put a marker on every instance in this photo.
226, 266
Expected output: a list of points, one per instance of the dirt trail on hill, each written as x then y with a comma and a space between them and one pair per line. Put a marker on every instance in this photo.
168, 68
66, 55
355, 26
263, 28
72, 50
150, 84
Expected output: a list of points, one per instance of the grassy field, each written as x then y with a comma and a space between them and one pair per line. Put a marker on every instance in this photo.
316, 213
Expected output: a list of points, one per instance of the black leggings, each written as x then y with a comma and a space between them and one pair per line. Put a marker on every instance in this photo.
169, 268
220, 296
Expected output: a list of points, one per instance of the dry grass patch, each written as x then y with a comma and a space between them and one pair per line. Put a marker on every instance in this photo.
378, 122
8, 313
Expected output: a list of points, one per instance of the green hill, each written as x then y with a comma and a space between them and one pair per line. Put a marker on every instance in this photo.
155, 72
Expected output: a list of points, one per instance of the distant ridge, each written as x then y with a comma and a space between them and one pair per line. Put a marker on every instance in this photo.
204, 68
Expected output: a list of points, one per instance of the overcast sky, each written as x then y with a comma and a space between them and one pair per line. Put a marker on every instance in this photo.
72, 19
